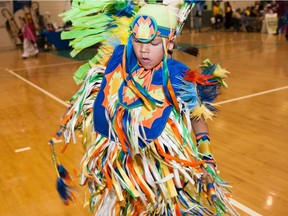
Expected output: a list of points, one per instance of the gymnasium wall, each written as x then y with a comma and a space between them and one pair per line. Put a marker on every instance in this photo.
54, 7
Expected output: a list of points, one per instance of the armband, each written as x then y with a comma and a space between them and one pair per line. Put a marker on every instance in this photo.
204, 146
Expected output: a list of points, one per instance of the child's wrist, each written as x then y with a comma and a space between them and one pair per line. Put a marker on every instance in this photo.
209, 160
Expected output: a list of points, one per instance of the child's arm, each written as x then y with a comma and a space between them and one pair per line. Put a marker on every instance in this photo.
199, 125
201, 132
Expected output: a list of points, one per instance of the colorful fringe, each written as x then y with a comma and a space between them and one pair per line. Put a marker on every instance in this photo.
163, 178
75, 118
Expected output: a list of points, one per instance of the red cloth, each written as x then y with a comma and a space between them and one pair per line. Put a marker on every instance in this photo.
28, 34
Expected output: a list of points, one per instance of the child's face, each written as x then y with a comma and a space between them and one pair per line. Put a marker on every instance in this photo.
149, 54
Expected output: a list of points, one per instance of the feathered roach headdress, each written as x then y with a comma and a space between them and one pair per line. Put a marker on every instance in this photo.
106, 23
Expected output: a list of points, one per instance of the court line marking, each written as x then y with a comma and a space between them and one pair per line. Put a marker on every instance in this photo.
37, 87
45, 66
247, 41
58, 141
244, 208
230, 43
252, 95
234, 202
22, 149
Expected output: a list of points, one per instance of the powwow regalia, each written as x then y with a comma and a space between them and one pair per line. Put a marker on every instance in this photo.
140, 155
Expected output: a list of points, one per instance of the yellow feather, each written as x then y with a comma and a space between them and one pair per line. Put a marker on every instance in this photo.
201, 111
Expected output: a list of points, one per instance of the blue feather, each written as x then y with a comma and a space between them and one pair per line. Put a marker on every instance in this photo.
187, 92
124, 9
62, 172
194, 1
207, 93
64, 191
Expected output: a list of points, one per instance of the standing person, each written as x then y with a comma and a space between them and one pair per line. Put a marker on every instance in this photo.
286, 25
197, 18
237, 20
282, 9
217, 15
228, 15
29, 40
140, 157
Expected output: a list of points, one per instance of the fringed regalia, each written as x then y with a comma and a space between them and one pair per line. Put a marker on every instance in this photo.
140, 155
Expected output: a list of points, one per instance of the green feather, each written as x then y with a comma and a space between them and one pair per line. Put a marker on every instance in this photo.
80, 74
89, 41
78, 33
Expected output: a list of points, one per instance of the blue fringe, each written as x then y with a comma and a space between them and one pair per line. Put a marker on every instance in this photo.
188, 94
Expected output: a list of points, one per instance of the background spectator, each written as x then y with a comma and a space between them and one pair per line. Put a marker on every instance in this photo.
228, 15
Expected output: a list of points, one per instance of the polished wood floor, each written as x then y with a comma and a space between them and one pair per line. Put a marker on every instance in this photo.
249, 134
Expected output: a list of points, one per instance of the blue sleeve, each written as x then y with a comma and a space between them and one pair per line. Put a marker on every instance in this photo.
115, 59
177, 72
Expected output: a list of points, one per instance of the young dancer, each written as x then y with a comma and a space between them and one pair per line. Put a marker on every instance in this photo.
137, 115
29, 40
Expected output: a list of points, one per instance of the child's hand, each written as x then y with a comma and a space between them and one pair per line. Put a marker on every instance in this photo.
206, 177
208, 180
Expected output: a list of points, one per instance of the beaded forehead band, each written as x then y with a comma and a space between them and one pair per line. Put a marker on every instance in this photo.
145, 29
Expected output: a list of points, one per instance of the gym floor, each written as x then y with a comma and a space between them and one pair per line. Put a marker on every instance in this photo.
249, 133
